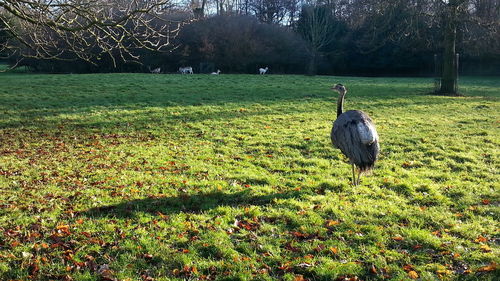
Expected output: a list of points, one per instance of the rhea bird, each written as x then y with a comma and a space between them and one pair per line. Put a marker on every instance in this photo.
355, 135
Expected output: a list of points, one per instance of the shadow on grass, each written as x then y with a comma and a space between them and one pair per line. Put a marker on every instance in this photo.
186, 203
42, 99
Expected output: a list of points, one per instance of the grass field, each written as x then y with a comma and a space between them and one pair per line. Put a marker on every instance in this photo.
233, 177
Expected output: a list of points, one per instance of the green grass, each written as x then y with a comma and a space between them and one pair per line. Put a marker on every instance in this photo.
233, 177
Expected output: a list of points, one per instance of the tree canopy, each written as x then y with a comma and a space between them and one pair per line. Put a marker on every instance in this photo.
366, 37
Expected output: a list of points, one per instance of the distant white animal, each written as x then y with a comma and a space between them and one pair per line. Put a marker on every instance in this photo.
186, 70
263, 70
155, 71
216, 73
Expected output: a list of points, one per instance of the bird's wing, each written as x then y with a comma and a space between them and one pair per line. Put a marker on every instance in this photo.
357, 139
367, 132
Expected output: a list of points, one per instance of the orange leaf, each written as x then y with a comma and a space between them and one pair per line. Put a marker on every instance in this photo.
332, 222
491, 267
413, 275
486, 202
162, 215
398, 238
299, 277
437, 232
334, 250
480, 238
408, 267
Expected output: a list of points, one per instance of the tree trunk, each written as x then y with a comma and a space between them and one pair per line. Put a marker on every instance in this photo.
449, 75
311, 67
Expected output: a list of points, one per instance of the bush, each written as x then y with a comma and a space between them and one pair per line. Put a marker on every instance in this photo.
241, 44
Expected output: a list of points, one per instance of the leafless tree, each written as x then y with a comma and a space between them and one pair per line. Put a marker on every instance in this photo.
317, 27
270, 11
87, 30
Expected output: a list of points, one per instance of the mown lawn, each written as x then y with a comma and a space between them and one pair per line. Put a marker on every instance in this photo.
233, 177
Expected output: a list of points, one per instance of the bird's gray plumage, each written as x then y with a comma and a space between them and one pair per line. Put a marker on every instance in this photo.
355, 135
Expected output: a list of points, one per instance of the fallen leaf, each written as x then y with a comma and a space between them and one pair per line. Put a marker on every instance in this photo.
27, 255
299, 277
33, 268
491, 267
485, 248
480, 239
62, 227
332, 222
444, 272
413, 274
407, 267
334, 250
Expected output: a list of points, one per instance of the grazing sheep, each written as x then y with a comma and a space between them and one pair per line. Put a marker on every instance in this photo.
186, 70
263, 70
155, 71
216, 73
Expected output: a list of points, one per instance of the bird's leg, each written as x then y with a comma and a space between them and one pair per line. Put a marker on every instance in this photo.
359, 177
353, 176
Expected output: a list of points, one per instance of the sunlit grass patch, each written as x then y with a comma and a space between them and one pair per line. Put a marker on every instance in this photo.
233, 177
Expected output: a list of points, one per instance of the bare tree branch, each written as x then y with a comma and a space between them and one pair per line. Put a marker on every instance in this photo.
86, 30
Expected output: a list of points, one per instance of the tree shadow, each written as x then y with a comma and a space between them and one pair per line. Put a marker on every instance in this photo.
79, 104
46, 101
185, 203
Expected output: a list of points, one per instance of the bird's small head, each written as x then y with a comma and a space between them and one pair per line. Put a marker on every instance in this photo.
339, 88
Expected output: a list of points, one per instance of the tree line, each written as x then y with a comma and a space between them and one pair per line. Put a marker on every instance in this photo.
342, 37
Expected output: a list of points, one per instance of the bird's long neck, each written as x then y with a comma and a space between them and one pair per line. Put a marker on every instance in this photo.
340, 103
